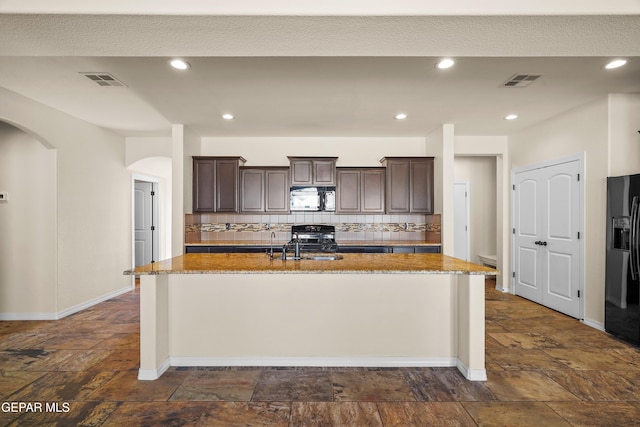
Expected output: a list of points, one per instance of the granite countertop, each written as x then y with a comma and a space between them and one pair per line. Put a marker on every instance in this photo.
351, 264
340, 243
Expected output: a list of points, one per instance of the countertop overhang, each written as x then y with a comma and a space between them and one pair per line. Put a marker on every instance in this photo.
229, 263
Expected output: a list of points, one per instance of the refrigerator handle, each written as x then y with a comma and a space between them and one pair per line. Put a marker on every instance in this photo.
633, 261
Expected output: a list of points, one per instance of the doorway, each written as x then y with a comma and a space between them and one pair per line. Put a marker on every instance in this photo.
547, 241
145, 222
461, 221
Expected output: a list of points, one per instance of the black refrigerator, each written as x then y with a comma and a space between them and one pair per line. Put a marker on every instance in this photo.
622, 293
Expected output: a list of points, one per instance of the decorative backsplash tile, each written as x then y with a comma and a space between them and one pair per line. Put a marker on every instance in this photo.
259, 227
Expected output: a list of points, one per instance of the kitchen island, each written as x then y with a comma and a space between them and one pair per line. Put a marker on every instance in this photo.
382, 310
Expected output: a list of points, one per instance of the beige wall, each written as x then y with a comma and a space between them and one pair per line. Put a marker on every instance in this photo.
624, 124
27, 225
93, 200
480, 173
584, 129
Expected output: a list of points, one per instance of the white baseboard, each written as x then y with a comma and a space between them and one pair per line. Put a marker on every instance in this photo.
368, 362
68, 311
472, 374
597, 325
153, 374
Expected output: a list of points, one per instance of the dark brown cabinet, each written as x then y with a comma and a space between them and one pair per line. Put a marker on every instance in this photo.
409, 184
264, 190
360, 190
215, 183
319, 171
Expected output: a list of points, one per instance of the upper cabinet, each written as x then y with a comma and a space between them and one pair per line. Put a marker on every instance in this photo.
319, 171
264, 189
360, 190
215, 183
409, 184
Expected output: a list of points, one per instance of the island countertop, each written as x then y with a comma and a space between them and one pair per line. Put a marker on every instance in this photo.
227, 263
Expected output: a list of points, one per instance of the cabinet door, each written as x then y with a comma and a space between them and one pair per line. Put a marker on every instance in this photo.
398, 186
348, 191
372, 186
277, 190
227, 185
252, 190
324, 172
301, 172
204, 181
421, 197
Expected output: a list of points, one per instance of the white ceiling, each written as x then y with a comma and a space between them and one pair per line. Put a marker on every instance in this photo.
316, 76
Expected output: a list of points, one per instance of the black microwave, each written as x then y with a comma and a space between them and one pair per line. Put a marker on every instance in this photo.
312, 199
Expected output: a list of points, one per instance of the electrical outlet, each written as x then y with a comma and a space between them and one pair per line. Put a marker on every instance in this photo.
4, 196
227, 226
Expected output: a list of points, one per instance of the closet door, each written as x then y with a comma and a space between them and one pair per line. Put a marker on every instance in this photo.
547, 244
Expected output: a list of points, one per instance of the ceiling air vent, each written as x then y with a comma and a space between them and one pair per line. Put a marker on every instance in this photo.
521, 80
104, 79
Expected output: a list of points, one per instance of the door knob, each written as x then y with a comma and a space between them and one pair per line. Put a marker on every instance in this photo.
543, 243
538, 242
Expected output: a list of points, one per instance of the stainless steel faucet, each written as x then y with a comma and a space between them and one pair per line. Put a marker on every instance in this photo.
273, 234
296, 253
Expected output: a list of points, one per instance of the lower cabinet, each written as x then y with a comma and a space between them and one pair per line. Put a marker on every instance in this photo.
363, 249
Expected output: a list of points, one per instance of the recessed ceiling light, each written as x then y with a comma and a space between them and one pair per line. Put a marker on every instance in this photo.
445, 63
228, 116
511, 117
616, 63
400, 116
179, 64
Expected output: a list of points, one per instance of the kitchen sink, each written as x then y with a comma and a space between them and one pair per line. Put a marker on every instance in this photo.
328, 257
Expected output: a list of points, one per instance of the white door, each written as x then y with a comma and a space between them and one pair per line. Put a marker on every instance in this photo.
145, 219
547, 243
461, 221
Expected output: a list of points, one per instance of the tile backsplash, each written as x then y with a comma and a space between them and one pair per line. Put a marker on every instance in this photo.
230, 227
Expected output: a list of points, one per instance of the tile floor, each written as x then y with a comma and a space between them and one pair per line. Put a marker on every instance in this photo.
544, 369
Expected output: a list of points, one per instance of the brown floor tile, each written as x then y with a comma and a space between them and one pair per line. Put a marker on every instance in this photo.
12, 381
24, 341
519, 359
62, 386
599, 385
286, 385
445, 385
598, 414
338, 414
371, 386
527, 341
120, 360
589, 359
157, 414
120, 341
232, 414
20, 360
87, 414
526, 385
234, 386
69, 360
74, 342
125, 386
514, 414
433, 414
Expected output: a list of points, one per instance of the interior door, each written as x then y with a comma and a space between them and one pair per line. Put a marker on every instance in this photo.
461, 221
562, 249
547, 243
528, 226
145, 219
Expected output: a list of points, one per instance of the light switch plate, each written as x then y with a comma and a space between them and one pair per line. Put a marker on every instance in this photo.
4, 196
